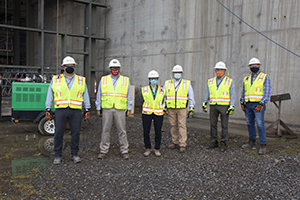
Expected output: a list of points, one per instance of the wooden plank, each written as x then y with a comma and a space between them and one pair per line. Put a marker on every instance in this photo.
280, 97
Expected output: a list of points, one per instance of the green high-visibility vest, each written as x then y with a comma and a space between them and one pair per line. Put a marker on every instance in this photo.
151, 105
114, 97
63, 97
221, 95
254, 92
177, 99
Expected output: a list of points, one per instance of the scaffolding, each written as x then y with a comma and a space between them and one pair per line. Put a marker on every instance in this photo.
18, 38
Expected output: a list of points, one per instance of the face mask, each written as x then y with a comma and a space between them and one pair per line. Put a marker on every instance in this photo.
115, 72
220, 73
153, 81
177, 76
254, 69
70, 70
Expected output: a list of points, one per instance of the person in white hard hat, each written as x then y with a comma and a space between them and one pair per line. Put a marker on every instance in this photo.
220, 93
69, 93
114, 99
256, 93
179, 93
152, 101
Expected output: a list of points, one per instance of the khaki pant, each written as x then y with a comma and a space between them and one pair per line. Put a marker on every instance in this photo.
177, 118
118, 116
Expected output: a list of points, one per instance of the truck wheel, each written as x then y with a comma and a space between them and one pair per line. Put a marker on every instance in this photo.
46, 127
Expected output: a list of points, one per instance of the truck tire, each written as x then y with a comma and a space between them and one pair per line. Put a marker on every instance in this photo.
46, 127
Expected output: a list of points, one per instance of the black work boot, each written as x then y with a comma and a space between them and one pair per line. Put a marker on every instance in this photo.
212, 145
250, 145
262, 149
223, 146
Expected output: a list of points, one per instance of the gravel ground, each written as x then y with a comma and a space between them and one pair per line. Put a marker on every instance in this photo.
196, 174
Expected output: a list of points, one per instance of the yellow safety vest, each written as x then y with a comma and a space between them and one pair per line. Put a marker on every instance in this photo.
114, 98
254, 92
177, 99
221, 95
63, 97
153, 105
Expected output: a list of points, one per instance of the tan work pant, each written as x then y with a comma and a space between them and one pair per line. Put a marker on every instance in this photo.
177, 118
118, 116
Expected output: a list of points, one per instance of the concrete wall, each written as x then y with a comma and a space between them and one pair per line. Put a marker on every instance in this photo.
196, 34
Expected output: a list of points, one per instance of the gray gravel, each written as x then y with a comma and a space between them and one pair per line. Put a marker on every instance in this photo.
196, 174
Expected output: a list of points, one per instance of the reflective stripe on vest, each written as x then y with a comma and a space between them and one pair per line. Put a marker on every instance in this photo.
151, 105
177, 99
221, 95
254, 92
114, 98
63, 97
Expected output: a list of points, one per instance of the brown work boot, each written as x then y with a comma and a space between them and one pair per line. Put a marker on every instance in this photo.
262, 149
147, 152
250, 145
182, 150
157, 153
125, 156
173, 146
101, 155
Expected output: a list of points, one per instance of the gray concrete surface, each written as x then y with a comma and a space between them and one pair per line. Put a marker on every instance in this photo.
196, 34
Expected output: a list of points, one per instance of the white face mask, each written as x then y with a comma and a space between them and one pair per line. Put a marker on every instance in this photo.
177, 75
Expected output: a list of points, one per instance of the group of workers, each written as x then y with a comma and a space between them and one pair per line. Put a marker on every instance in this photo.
114, 100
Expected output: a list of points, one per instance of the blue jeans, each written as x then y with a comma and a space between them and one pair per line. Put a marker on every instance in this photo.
251, 117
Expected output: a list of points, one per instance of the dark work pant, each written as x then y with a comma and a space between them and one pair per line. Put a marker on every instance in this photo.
62, 116
215, 111
158, 121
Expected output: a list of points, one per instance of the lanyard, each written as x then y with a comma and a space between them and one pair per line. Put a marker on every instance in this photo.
177, 84
68, 82
116, 81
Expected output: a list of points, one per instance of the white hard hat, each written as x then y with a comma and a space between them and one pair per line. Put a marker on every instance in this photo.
114, 63
254, 61
220, 65
177, 68
68, 60
153, 74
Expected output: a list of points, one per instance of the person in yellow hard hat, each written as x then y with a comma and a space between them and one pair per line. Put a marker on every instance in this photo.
152, 101
220, 93
114, 99
179, 93
69, 93
256, 93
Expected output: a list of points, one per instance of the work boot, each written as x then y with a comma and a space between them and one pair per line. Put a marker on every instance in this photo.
212, 145
182, 150
262, 149
57, 160
125, 156
250, 144
223, 146
157, 153
147, 152
76, 159
101, 155
173, 146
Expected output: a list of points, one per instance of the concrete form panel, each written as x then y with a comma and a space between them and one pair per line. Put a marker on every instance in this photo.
196, 34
